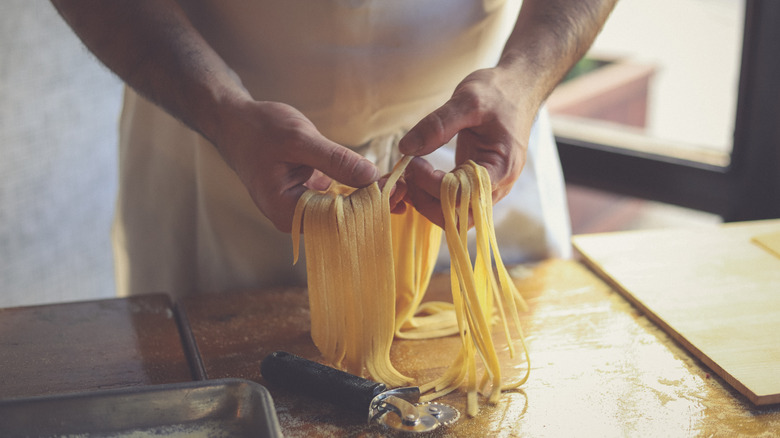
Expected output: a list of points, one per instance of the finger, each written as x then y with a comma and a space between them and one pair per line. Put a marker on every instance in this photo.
427, 205
438, 127
398, 193
423, 186
421, 174
318, 181
338, 162
281, 215
398, 208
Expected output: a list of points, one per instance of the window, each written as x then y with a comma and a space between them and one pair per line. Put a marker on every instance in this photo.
732, 171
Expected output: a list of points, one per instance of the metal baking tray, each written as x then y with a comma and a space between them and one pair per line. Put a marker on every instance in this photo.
209, 408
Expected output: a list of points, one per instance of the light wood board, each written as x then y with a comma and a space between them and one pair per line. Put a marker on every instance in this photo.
716, 290
769, 241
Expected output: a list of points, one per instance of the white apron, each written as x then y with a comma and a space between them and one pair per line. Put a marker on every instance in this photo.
364, 72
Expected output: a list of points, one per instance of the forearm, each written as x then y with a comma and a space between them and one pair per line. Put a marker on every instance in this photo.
550, 36
154, 48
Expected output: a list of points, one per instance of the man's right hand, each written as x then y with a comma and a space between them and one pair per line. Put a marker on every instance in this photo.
153, 47
278, 153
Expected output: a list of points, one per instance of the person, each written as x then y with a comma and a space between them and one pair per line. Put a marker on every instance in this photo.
234, 109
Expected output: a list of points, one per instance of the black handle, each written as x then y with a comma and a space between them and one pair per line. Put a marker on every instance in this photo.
328, 384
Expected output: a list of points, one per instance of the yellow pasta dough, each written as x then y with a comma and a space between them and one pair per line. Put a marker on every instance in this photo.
477, 291
368, 271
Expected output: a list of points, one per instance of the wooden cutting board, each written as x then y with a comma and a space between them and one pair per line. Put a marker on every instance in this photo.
716, 290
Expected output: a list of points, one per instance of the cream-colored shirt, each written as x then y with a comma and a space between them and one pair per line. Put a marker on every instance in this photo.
364, 72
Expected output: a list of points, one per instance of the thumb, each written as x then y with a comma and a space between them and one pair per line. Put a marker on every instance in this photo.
437, 128
340, 163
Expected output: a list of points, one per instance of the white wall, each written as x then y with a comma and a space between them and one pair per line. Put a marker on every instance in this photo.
58, 122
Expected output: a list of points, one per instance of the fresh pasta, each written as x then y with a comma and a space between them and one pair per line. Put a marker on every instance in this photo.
368, 272
477, 291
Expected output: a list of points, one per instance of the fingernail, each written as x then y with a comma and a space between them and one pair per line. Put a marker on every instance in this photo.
366, 173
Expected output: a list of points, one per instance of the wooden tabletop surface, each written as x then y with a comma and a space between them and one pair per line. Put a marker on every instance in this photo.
598, 366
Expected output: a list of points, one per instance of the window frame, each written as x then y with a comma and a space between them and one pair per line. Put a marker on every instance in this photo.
748, 188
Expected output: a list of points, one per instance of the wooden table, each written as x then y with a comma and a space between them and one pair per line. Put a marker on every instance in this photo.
599, 367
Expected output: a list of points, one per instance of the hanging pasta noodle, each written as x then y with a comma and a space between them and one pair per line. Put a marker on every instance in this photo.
356, 251
416, 243
351, 277
477, 290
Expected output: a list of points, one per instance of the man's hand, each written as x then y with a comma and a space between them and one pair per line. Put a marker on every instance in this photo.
493, 124
273, 148
493, 110
278, 153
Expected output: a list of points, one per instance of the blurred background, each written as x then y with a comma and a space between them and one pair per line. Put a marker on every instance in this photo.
662, 78
58, 131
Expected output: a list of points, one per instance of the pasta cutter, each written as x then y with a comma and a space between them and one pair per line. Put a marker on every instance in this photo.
398, 409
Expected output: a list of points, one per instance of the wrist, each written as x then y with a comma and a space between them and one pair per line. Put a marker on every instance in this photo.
531, 76
222, 104
522, 88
